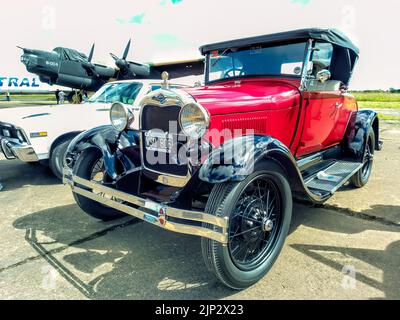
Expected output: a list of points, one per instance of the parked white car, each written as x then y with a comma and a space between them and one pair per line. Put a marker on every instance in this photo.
42, 134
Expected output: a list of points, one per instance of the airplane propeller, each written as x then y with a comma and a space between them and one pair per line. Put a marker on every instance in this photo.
91, 53
129, 69
122, 63
89, 66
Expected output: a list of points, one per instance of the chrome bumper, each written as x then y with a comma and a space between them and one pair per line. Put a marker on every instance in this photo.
15, 150
150, 211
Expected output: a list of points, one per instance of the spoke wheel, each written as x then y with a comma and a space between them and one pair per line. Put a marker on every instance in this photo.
361, 178
368, 161
255, 223
259, 210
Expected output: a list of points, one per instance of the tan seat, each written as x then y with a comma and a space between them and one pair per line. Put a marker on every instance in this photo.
330, 85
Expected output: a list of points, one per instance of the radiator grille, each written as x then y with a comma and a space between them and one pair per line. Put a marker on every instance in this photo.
153, 118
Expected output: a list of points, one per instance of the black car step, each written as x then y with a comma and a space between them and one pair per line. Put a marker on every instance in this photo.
331, 179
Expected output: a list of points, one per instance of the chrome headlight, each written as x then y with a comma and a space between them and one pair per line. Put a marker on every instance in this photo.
194, 120
121, 117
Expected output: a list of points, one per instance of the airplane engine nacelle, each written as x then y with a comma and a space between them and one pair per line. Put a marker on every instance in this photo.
139, 70
104, 72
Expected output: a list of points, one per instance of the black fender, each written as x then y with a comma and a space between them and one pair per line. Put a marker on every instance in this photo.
356, 135
108, 141
235, 161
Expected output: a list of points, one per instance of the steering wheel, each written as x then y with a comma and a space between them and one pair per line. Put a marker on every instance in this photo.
234, 72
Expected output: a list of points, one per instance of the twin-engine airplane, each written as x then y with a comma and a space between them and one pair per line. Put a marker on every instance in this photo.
70, 68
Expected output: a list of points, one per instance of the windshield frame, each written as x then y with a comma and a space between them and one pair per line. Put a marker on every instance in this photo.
239, 77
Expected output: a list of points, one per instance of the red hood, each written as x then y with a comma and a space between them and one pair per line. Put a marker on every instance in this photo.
249, 95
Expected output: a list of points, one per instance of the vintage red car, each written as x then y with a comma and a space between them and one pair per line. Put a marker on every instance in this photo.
223, 161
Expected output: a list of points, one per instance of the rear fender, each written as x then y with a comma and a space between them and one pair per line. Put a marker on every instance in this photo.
357, 133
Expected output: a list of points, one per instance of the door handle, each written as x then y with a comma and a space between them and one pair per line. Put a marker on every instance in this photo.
338, 105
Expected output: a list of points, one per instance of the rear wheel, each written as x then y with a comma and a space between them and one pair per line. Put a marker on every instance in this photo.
90, 166
361, 178
259, 211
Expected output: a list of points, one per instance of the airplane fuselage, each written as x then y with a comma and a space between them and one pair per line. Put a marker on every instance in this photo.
54, 70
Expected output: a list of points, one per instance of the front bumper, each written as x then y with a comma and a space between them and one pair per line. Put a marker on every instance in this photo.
190, 222
16, 150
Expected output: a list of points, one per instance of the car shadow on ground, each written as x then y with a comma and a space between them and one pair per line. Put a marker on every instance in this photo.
138, 261
381, 259
15, 174
387, 260
141, 261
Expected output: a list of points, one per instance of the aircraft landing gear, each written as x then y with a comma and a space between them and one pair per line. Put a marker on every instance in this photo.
75, 97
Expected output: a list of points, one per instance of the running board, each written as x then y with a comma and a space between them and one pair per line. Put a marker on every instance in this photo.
331, 179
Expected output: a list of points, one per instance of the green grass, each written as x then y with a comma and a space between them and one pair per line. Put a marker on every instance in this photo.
377, 97
378, 105
31, 97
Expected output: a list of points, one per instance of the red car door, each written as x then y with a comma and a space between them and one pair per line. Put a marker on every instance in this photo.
343, 116
321, 115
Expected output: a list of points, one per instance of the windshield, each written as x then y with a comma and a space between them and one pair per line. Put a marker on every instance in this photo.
117, 92
283, 60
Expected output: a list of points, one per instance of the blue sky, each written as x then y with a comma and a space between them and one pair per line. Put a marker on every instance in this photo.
174, 29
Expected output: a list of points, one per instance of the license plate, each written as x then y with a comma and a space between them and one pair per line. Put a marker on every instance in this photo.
161, 142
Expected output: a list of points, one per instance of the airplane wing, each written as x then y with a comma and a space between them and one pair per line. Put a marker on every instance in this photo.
178, 69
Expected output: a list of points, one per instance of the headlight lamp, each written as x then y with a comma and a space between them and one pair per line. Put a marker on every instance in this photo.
194, 120
121, 117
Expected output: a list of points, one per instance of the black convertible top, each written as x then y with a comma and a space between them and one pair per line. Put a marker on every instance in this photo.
333, 36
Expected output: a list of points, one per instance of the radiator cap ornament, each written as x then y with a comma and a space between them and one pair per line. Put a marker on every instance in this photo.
165, 78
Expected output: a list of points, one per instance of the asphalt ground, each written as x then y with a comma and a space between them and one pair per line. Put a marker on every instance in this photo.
347, 249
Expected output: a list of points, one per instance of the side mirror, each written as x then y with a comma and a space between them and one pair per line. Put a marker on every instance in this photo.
323, 76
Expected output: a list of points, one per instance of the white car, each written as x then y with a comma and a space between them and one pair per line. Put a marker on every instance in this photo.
42, 134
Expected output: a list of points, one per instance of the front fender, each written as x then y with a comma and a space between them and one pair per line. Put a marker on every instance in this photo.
235, 160
104, 138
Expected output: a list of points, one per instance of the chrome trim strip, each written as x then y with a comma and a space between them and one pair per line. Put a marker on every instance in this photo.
304, 75
309, 161
13, 150
223, 223
6, 150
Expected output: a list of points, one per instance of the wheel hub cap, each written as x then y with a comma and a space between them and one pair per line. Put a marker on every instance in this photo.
268, 225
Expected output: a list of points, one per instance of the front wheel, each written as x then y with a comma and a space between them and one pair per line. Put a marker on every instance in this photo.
90, 166
57, 158
259, 211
